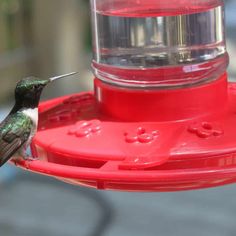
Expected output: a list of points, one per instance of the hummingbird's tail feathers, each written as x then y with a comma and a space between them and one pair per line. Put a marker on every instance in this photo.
8, 149
62, 76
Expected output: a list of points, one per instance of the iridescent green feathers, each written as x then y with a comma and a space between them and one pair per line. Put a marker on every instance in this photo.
28, 92
14, 133
29, 83
25, 86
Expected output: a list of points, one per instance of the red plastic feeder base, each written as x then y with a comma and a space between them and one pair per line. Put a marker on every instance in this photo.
133, 140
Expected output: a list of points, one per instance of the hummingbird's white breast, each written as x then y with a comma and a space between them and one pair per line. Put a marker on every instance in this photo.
33, 114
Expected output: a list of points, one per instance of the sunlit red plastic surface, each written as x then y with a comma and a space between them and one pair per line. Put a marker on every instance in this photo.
82, 142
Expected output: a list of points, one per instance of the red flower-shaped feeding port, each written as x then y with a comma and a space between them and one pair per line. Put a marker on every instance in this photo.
141, 136
206, 130
85, 128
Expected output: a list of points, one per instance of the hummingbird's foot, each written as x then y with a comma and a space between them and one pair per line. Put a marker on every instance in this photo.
30, 158
15, 162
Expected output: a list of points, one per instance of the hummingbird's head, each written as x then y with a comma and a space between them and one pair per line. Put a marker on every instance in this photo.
28, 91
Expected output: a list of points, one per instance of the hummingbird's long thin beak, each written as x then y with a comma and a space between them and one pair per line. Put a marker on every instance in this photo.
62, 76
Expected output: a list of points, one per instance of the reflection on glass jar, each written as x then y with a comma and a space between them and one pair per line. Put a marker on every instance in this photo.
147, 43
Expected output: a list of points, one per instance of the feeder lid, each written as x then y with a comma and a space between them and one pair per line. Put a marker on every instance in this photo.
78, 144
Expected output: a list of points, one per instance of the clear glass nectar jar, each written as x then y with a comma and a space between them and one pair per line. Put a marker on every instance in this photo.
156, 44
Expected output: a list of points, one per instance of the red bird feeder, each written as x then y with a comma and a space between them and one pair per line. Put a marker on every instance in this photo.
162, 117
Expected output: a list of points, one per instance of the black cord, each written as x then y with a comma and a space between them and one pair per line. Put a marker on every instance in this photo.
106, 208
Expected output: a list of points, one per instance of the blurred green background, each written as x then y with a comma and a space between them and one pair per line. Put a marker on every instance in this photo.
44, 38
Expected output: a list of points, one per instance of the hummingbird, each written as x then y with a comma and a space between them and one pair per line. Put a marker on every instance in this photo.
19, 127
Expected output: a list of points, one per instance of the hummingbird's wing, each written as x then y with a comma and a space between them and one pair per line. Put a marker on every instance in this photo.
14, 132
